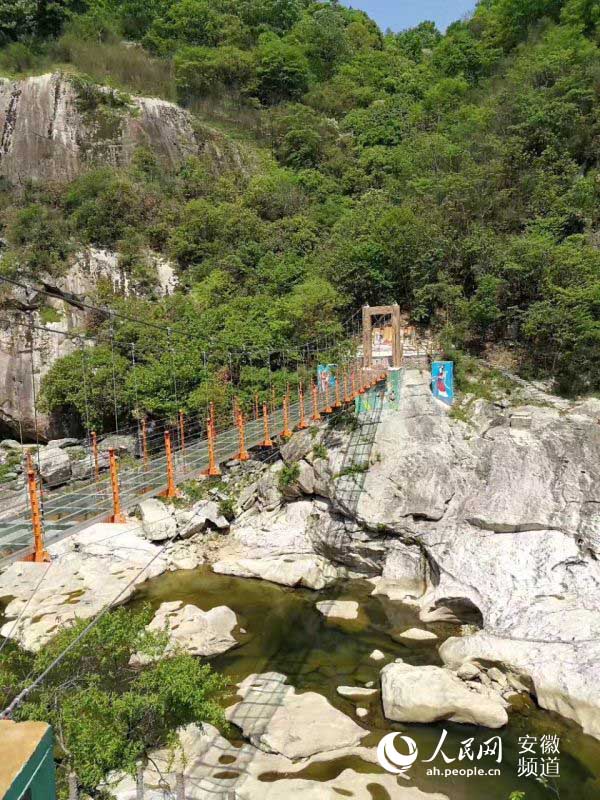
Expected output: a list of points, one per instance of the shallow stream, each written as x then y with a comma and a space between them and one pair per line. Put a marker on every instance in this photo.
286, 633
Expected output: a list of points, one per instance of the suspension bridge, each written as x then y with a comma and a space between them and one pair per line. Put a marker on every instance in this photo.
169, 452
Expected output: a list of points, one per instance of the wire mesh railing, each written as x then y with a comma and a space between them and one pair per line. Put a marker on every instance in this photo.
144, 469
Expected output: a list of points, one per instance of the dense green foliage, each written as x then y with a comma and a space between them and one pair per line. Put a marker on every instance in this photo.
457, 174
104, 713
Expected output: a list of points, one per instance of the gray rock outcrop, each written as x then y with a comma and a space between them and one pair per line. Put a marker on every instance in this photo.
202, 752
54, 466
482, 522
98, 567
158, 520
193, 631
276, 719
427, 694
338, 609
46, 135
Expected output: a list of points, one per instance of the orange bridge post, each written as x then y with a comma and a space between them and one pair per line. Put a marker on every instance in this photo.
286, 432
302, 422
338, 400
95, 454
243, 454
117, 515
213, 470
39, 554
267, 442
171, 491
315, 403
347, 398
328, 409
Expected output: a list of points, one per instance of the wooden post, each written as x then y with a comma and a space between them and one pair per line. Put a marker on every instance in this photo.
272, 399
39, 554
243, 454
315, 403
286, 432
95, 453
144, 443
117, 516
213, 470
170, 492
267, 442
302, 422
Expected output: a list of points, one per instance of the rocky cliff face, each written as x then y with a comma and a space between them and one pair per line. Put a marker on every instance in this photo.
494, 521
27, 353
50, 131
45, 134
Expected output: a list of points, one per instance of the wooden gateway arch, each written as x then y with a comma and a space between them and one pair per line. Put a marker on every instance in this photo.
393, 311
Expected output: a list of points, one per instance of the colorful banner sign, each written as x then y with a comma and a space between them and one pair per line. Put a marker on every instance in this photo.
383, 396
442, 381
326, 375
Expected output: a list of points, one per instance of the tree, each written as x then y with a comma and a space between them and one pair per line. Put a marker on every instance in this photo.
104, 205
322, 36
40, 240
88, 383
282, 71
275, 194
17, 19
20, 19
195, 22
106, 714
414, 42
209, 71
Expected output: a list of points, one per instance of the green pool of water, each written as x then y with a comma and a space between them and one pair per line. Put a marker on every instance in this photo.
285, 633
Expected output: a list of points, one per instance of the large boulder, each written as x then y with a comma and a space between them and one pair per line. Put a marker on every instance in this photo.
54, 466
338, 609
82, 464
482, 522
276, 719
63, 443
427, 694
203, 514
563, 675
269, 495
298, 446
202, 753
121, 443
344, 541
197, 632
89, 570
158, 520
276, 546
404, 571
310, 572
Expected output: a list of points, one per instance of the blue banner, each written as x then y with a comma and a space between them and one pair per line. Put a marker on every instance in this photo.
442, 381
326, 376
